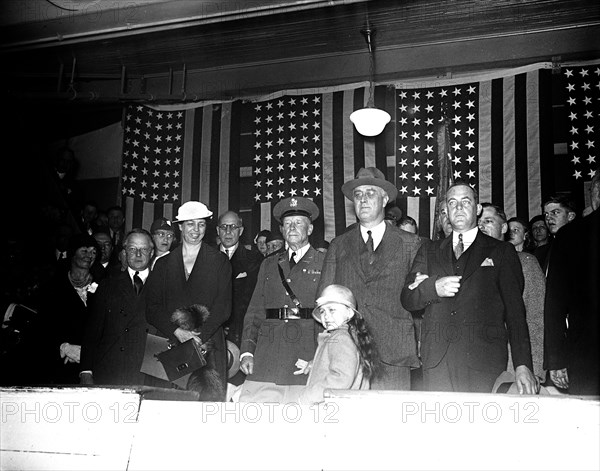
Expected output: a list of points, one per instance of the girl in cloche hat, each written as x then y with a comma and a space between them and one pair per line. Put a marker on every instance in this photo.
346, 354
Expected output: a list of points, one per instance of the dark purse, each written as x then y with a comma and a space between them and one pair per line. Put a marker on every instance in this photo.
182, 359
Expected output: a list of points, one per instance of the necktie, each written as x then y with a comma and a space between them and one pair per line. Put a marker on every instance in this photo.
460, 247
293, 260
138, 284
370, 248
227, 253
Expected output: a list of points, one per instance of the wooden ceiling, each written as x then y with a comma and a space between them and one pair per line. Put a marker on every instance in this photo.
135, 50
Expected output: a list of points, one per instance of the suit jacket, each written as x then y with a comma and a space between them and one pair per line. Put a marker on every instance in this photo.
378, 292
277, 344
209, 284
572, 290
490, 296
115, 333
245, 265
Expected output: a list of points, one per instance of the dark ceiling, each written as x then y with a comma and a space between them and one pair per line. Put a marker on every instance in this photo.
139, 50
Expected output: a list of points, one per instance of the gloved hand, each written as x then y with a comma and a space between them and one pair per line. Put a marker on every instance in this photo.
71, 353
303, 366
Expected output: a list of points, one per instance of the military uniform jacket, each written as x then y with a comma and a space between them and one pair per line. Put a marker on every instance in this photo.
277, 344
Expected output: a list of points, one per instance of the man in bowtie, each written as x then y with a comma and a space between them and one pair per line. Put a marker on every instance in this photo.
470, 286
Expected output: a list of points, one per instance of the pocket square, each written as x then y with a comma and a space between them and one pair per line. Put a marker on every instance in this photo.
488, 262
242, 275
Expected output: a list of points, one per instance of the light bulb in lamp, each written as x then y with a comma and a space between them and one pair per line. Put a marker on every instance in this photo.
370, 121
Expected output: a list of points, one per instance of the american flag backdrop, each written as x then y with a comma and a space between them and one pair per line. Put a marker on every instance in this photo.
490, 133
582, 102
247, 155
170, 157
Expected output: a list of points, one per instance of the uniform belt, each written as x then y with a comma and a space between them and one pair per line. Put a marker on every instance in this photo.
289, 313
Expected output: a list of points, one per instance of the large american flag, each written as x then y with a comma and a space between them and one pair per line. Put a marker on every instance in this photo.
247, 155
170, 157
491, 134
582, 102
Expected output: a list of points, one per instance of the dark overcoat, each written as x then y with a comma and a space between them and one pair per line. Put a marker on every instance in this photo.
209, 284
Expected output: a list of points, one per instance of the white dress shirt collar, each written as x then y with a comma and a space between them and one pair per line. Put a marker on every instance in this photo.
376, 232
229, 251
299, 253
142, 274
468, 237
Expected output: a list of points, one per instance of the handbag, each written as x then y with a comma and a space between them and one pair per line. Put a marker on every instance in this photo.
182, 359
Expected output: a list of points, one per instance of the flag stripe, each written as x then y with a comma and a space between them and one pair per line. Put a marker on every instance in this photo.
534, 184
508, 155
232, 156
205, 155
195, 155
546, 140
350, 160
329, 163
359, 145
148, 212
497, 187
337, 129
214, 175
380, 143
521, 138
423, 221
485, 141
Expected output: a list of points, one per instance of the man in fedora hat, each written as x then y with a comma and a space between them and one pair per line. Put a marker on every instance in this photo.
372, 259
278, 327
193, 273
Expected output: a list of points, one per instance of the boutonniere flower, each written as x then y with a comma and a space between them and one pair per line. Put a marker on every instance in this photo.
92, 287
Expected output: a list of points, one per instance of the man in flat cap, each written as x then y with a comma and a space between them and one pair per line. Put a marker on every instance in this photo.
278, 327
193, 273
372, 260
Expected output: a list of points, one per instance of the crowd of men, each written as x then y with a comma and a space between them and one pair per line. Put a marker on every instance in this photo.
490, 295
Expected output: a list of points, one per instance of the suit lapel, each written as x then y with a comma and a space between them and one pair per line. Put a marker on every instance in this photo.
356, 242
478, 251
445, 255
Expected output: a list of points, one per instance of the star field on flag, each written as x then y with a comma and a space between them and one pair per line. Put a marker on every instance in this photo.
288, 143
420, 115
153, 154
582, 85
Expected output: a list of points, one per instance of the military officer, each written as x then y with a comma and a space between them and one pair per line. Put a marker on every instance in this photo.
278, 327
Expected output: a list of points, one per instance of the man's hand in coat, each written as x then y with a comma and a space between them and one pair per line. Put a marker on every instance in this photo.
247, 365
447, 286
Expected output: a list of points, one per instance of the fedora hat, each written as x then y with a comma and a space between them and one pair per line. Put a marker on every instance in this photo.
192, 210
370, 176
233, 359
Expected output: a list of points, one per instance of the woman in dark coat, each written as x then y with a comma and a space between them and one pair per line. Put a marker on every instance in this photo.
63, 313
193, 273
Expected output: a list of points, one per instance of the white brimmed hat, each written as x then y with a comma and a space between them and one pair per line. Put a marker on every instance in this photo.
334, 294
192, 210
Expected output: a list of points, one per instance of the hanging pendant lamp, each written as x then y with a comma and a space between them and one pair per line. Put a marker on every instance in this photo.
370, 121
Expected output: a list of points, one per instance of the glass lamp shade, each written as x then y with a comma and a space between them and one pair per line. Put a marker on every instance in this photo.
370, 121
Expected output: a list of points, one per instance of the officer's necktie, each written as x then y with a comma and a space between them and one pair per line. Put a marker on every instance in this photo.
370, 248
293, 260
138, 284
460, 247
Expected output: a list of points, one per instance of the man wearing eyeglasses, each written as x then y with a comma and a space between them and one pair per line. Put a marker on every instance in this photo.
245, 264
115, 333
163, 236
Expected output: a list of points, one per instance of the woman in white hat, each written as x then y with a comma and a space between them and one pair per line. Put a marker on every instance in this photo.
193, 273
